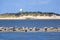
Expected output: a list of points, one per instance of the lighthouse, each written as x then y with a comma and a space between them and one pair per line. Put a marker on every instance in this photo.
21, 10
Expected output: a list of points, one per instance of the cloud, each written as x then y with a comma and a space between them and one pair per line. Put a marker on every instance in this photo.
37, 2
44, 1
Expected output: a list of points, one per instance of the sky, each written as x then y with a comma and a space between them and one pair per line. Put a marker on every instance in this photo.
14, 6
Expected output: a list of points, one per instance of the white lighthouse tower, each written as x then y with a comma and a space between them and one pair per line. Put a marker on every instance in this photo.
21, 10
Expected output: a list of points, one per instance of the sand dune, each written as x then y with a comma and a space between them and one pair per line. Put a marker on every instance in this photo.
33, 17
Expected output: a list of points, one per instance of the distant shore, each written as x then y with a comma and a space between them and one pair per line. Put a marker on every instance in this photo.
30, 17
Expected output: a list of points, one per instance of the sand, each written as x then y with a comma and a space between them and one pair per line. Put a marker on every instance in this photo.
32, 17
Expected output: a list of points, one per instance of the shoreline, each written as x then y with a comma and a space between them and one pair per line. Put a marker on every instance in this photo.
30, 18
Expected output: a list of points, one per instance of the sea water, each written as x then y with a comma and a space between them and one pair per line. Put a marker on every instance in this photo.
29, 23
30, 35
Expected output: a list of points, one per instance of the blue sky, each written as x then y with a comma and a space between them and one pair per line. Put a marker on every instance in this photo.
9, 6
